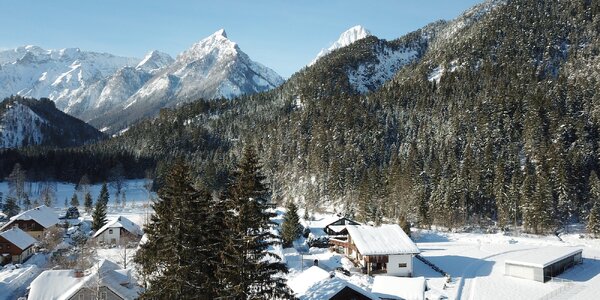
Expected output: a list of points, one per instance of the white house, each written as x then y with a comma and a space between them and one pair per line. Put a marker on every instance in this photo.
117, 229
315, 283
380, 250
106, 280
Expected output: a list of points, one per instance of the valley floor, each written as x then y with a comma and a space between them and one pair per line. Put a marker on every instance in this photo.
475, 261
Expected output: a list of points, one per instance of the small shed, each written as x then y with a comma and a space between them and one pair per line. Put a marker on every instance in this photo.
544, 263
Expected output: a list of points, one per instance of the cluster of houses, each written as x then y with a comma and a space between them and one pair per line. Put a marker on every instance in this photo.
387, 253
20, 237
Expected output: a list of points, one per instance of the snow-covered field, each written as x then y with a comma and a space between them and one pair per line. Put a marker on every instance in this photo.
475, 261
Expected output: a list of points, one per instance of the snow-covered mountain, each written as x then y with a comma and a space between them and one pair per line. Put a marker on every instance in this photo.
114, 90
214, 67
98, 86
346, 38
59, 75
27, 122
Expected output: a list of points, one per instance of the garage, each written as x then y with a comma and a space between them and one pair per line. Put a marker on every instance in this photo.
544, 263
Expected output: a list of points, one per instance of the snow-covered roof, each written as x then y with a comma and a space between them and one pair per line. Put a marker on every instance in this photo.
62, 284
390, 287
18, 237
543, 257
328, 288
306, 279
41, 214
120, 222
382, 240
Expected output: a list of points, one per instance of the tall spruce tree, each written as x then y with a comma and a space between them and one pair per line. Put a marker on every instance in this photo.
103, 196
250, 271
290, 228
593, 220
180, 258
74, 200
88, 203
11, 208
99, 215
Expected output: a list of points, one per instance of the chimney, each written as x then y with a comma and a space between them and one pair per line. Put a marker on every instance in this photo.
78, 273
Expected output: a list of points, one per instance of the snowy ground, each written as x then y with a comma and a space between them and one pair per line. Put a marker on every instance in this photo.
475, 262
14, 281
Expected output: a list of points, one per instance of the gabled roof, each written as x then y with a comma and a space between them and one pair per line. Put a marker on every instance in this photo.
383, 240
18, 237
120, 222
41, 214
405, 288
301, 283
62, 284
328, 288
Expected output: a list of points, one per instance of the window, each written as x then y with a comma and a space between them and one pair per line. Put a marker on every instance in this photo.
402, 265
30, 225
110, 231
103, 296
81, 296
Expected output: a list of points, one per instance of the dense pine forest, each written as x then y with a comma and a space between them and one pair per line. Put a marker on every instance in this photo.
494, 123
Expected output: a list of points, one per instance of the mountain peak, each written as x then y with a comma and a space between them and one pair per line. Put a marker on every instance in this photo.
220, 32
214, 43
347, 37
154, 60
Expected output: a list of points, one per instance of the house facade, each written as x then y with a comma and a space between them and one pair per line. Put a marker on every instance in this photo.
379, 250
35, 221
16, 246
117, 230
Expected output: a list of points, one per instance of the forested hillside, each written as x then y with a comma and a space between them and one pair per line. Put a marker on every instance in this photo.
493, 119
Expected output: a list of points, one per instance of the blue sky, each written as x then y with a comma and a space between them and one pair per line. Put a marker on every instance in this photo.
281, 34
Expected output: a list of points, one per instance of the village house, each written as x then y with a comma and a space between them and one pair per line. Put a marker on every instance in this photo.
16, 246
315, 283
35, 221
106, 280
339, 227
379, 250
117, 230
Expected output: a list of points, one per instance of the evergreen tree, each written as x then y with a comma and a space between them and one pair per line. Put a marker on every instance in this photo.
250, 271
180, 258
290, 228
404, 224
74, 200
593, 220
99, 215
103, 196
66, 203
88, 203
11, 208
